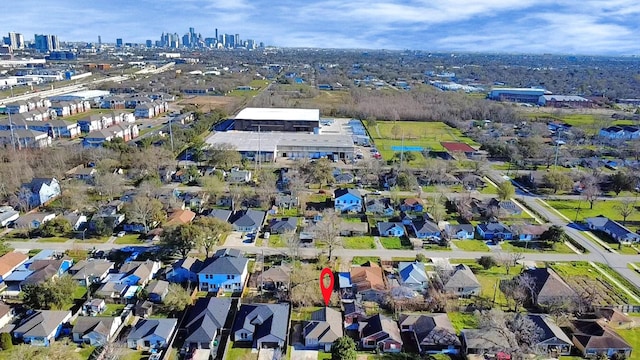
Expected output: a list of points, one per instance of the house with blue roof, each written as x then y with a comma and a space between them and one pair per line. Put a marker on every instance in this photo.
347, 200
184, 270
391, 229
617, 231
494, 231
413, 275
226, 271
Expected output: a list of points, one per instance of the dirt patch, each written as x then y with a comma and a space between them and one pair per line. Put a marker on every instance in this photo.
208, 103
598, 291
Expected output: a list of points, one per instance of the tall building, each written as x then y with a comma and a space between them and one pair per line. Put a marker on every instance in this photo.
119, 43
16, 40
236, 40
186, 40
99, 41
46, 43
149, 43
55, 44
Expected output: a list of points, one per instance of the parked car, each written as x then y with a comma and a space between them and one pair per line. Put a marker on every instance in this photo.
121, 234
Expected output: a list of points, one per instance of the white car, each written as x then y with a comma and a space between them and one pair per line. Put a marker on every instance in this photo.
121, 234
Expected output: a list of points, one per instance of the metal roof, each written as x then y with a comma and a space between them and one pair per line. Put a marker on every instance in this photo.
279, 114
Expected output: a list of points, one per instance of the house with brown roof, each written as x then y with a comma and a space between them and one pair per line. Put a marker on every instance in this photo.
180, 217
593, 338
6, 314
549, 286
9, 262
368, 282
615, 318
380, 333
433, 333
274, 278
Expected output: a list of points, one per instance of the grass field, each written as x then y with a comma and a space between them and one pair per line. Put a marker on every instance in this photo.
129, 239
359, 260
240, 353
358, 242
462, 321
582, 277
427, 135
257, 85
633, 338
395, 242
303, 313
535, 247
471, 245
606, 208
489, 279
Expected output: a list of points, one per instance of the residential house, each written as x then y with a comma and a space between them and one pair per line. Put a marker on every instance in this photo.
6, 314
413, 275
95, 330
352, 228
108, 216
41, 327
63, 108
8, 215
347, 200
353, 313
206, 320
145, 111
592, 338
262, 325
344, 285
56, 128
344, 178
617, 231
528, 232
139, 272
615, 133
221, 214
17, 107
33, 220
494, 231
9, 262
391, 229
157, 290
462, 282
248, 221
460, 231
113, 289
180, 217
553, 341
280, 226
379, 206
380, 333
285, 201
484, 342
323, 329
92, 270
426, 229
94, 307
40, 191
507, 207
43, 270
472, 182
615, 318
24, 139
184, 270
226, 271
236, 176
77, 220
274, 278
125, 132
368, 282
144, 308
549, 286
95, 122
433, 333
85, 174
412, 204
148, 334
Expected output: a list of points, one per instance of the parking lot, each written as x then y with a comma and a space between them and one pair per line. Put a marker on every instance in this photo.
235, 238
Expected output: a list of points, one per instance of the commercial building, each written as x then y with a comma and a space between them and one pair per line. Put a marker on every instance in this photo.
278, 119
522, 95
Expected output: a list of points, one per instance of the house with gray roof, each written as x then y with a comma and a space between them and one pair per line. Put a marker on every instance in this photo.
93, 270
347, 200
323, 329
380, 333
262, 325
391, 229
462, 282
206, 320
95, 330
157, 290
221, 214
150, 334
479, 342
275, 278
280, 226
226, 271
41, 327
553, 340
433, 333
413, 275
617, 231
247, 220
549, 286
460, 231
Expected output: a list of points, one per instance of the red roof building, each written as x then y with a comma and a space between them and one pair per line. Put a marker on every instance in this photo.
453, 147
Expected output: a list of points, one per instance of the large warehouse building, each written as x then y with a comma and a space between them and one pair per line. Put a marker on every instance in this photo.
278, 119
274, 145
522, 95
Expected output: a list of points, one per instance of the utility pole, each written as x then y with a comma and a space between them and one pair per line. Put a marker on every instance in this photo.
171, 133
13, 140
402, 150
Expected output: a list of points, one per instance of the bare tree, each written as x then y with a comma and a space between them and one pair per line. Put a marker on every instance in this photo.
510, 259
145, 211
518, 332
292, 240
238, 194
591, 193
625, 208
327, 230
109, 185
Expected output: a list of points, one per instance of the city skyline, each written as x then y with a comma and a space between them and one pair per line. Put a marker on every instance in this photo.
589, 27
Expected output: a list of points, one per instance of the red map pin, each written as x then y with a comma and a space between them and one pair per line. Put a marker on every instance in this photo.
326, 290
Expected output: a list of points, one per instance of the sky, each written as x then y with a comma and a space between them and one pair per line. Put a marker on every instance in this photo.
595, 27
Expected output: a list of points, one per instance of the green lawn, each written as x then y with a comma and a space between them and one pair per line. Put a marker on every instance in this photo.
54, 239
240, 353
85, 352
358, 242
607, 208
607, 239
133, 355
324, 356
113, 310
275, 240
129, 239
489, 278
535, 247
633, 338
359, 260
394, 242
462, 320
471, 245
80, 292
427, 135
301, 314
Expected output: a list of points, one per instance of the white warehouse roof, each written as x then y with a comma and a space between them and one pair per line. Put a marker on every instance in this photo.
279, 114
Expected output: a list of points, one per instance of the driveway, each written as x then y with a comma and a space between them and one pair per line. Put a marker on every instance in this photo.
235, 238
303, 354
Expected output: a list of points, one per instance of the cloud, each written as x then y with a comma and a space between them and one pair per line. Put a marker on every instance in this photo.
550, 26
